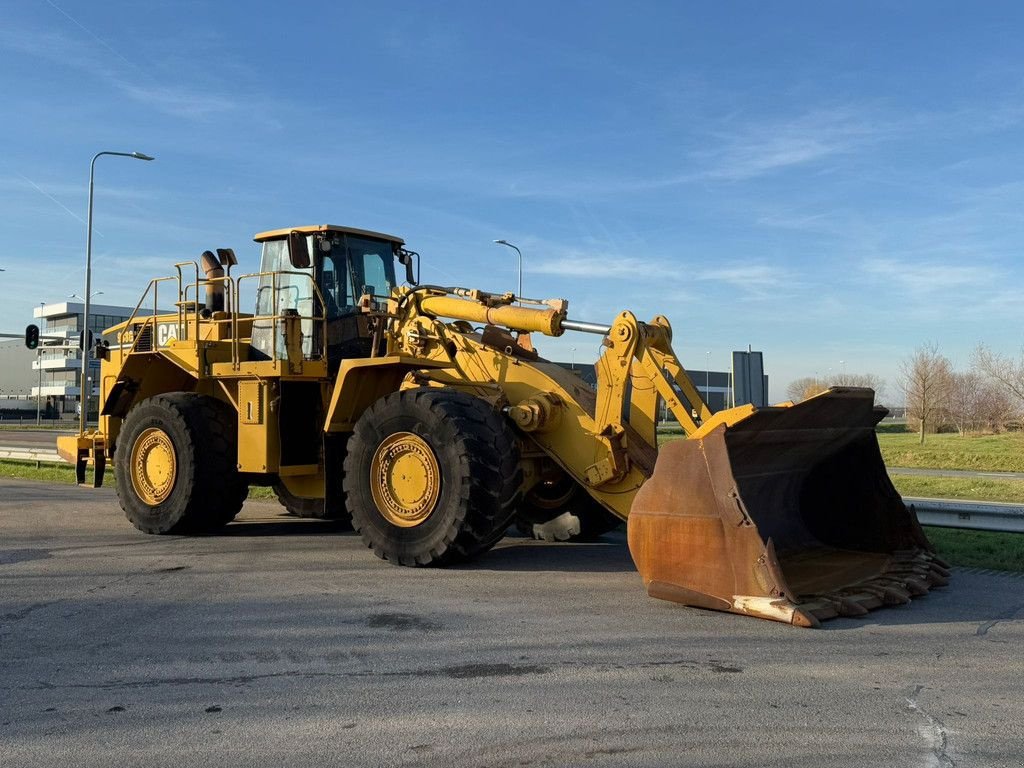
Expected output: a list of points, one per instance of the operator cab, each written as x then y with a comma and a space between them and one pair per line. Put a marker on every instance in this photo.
344, 264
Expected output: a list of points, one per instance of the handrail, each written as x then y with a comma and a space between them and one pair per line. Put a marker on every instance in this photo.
151, 319
315, 354
232, 293
181, 300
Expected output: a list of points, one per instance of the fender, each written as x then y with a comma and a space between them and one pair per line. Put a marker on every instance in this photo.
361, 382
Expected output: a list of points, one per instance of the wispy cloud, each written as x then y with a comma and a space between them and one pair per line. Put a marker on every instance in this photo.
763, 146
111, 67
750, 280
927, 278
179, 102
580, 265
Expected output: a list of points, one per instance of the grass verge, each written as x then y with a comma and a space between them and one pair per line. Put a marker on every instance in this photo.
990, 453
65, 473
973, 488
978, 549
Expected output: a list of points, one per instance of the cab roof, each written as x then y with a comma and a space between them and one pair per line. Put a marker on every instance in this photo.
276, 234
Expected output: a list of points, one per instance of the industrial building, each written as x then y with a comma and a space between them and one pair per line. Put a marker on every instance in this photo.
716, 387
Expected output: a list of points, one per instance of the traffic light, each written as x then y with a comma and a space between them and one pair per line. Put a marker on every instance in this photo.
82, 341
32, 336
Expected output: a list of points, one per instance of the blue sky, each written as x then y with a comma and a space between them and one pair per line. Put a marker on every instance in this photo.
825, 183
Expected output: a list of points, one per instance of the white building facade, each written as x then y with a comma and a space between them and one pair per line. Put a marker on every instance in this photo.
57, 364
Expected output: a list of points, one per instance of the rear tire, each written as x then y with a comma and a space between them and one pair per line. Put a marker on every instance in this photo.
332, 506
432, 477
176, 464
553, 497
299, 506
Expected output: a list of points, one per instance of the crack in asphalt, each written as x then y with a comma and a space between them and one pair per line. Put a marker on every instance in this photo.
1007, 615
933, 731
455, 672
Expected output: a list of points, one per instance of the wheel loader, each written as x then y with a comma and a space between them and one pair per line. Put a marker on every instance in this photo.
424, 416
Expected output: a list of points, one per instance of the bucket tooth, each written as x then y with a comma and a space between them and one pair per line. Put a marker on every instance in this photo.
822, 609
862, 598
850, 607
894, 595
914, 586
936, 560
918, 588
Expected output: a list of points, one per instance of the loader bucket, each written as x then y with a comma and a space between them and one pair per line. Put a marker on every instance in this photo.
785, 513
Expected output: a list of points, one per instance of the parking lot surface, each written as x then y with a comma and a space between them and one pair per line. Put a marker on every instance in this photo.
284, 642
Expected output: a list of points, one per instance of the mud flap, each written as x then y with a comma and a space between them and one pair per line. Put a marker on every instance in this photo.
784, 513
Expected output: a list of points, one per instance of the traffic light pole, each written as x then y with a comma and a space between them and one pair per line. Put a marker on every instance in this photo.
39, 389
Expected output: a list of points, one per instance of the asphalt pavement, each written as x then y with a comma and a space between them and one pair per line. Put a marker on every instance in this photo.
955, 473
31, 438
284, 642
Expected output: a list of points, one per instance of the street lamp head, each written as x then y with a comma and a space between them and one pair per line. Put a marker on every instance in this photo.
140, 156
502, 242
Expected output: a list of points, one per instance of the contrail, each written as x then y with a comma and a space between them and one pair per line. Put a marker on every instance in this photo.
92, 34
42, 191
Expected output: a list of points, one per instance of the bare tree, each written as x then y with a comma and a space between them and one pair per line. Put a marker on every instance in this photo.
926, 379
996, 407
966, 395
868, 380
1005, 370
801, 389
808, 386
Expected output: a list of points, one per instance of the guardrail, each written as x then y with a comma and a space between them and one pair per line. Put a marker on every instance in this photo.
970, 515
38, 455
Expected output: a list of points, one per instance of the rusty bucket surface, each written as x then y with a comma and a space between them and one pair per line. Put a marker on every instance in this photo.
784, 513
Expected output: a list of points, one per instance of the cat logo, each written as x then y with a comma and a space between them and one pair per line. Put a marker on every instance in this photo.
166, 332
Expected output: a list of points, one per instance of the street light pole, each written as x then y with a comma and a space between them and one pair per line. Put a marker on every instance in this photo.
707, 376
519, 295
86, 393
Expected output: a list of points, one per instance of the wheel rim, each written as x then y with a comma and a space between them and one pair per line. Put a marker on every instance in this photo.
405, 479
154, 466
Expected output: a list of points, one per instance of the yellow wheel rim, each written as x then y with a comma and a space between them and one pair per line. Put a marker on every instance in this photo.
154, 466
405, 479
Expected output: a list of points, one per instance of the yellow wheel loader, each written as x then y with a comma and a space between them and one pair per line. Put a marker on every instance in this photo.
425, 417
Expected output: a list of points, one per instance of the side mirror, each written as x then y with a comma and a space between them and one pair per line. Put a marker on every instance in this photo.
298, 251
227, 257
405, 257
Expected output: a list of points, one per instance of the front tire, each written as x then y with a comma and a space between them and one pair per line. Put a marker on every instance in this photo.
432, 477
176, 465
